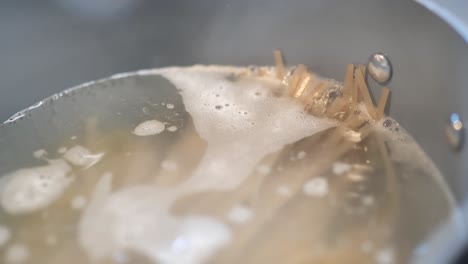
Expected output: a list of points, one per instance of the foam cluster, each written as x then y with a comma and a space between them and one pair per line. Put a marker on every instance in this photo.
242, 120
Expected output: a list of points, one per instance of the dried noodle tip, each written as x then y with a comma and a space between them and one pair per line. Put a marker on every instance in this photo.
383, 103
280, 69
295, 78
303, 84
365, 94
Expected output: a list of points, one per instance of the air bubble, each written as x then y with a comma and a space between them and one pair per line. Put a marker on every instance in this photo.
340, 168
170, 106
218, 107
316, 187
172, 128
387, 123
149, 128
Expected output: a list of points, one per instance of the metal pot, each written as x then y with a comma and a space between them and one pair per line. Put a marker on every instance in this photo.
429, 62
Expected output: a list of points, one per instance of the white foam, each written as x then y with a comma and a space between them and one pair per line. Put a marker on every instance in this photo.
317, 187
352, 135
172, 128
149, 128
5, 235
29, 190
82, 157
241, 127
138, 218
17, 253
239, 214
340, 168
40, 153
233, 120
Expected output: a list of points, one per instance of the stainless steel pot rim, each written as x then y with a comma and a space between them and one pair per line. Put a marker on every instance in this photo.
69, 91
460, 25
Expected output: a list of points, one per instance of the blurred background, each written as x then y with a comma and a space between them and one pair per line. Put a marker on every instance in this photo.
47, 46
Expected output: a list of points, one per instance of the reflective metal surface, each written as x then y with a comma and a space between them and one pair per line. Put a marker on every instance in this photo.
379, 68
455, 132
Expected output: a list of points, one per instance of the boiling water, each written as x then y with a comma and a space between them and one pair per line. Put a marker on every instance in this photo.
232, 173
